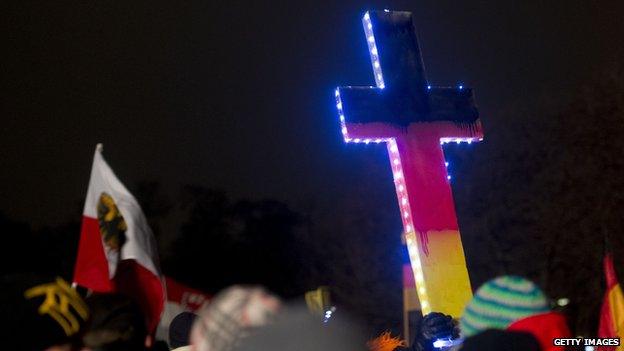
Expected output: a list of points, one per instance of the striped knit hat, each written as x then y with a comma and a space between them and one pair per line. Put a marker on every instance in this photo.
501, 301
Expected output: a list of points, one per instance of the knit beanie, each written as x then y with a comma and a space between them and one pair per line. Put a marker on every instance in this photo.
500, 302
231, 316
117, 323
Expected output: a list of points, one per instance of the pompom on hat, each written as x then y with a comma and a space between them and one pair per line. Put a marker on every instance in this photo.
501, 301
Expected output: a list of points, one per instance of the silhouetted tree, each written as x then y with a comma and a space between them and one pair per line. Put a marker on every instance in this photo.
540, 195
356, 248
19, 247
156, 206
224, 243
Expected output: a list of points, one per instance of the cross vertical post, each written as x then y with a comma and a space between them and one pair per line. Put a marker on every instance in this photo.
414, 119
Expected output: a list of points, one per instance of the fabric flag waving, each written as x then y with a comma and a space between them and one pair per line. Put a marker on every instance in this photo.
612, 311
180, 298
117, 251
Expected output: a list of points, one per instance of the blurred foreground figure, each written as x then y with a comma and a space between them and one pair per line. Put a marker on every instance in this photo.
117, 324
180, 331
295, 329
40, 314
231, 316
515, 304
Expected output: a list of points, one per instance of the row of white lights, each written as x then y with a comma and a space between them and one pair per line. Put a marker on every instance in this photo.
408, 224
345, 132
460, 87
372, 49
458, 140
343, 127
374, 52
390, 141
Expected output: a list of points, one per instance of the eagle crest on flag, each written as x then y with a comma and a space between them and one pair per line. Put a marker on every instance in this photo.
112, 224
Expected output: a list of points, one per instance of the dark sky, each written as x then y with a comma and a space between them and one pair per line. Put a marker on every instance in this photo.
239, 94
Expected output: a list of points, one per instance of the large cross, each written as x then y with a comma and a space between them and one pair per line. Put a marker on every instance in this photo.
415, 119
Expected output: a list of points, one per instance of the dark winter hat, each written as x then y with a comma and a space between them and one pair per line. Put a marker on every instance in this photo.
180, 329
496, 340
39, 312
117, 323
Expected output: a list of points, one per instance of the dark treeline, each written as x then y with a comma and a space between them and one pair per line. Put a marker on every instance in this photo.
539, 197
545, 191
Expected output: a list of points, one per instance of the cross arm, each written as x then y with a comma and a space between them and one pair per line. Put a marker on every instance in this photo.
365, 105
452, 104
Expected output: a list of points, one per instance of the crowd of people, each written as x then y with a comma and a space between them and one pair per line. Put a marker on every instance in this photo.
506, 313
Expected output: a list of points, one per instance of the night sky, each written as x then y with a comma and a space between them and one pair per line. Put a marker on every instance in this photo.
238, 95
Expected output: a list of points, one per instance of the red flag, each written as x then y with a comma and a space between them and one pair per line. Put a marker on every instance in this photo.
612, 311
180, 298
117, 250
187, 298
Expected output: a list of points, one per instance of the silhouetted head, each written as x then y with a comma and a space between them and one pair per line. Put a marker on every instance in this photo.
180, 329
117, 324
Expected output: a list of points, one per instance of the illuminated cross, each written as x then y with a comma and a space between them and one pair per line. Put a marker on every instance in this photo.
415, 119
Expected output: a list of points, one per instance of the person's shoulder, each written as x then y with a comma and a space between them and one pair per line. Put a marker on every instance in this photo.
183, 348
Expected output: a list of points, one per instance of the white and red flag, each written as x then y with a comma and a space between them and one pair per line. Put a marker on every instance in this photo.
180, 298
117, 250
